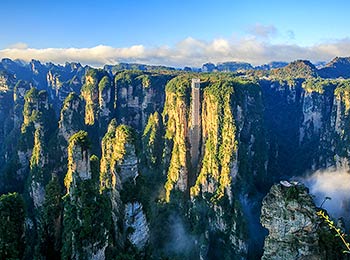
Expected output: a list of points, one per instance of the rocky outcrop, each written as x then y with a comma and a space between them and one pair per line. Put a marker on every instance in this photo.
38, 125
38, 163
232, 150
62, 80
312, 116
19, 92
118, 164
306, 121
38, 73
219, 137
99, 99
86, 218
152, 140
282, 116
284, 124
316, 105
338, 134
78, 160
11, 118
72, 117
289, 214
175, 116
71, 121
106, 100
89, 92
57, 80
136, 225
138, 95
118, 155
110, 178
232, 137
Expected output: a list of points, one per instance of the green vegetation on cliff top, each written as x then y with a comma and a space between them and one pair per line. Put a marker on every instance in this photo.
80, 138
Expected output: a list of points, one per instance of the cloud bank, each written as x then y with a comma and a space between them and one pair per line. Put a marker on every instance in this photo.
255, 49
334, 184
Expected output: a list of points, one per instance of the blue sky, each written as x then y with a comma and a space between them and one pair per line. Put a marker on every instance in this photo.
174, 32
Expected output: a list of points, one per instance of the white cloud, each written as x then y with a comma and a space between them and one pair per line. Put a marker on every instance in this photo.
188, 52
334, 184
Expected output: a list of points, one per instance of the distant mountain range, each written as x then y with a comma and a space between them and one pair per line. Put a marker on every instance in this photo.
338, 67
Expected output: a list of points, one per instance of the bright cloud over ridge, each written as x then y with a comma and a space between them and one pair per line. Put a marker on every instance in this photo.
188, 52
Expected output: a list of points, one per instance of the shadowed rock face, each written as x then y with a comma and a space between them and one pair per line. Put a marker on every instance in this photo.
72, 118
84, 208
136, 219
289, 214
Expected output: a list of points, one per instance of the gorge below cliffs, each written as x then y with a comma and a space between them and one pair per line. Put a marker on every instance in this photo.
155, 163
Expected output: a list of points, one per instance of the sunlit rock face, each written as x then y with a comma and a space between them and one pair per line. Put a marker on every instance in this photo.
202, 150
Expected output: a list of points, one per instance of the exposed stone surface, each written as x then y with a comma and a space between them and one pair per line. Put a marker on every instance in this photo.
289, 214
81, 163
84, 208
38, 162
128, 167
248, 128
106, 100
79, 168
72, 117
37, 193
312, 114
62, 80
118, 163
176, 111
135, 219
139, 95
18, 96
232, 142
118, 155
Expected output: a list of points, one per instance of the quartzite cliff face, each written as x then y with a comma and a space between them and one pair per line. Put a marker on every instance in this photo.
85, 221
296, 230
174, 153
289, 214
231, 149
